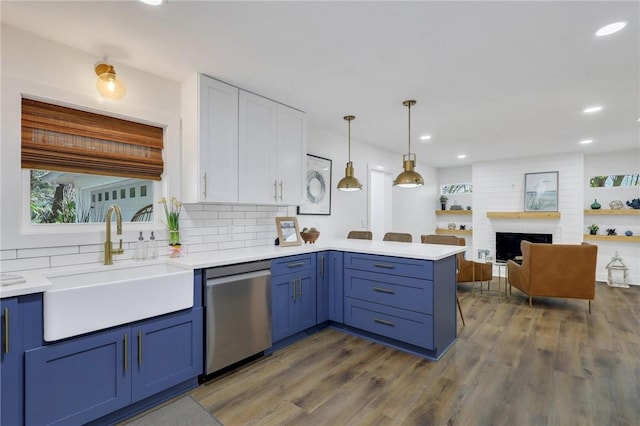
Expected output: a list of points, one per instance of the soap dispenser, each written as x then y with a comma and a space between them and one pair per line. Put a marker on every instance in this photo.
140, 250
152, 252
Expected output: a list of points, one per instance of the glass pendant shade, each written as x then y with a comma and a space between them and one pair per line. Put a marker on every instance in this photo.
409, 178
349, 181
107, 83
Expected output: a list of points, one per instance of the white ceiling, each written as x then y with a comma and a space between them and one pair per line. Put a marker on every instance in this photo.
491, 79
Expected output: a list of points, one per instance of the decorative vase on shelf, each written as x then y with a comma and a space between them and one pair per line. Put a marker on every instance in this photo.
595, 205
443, 206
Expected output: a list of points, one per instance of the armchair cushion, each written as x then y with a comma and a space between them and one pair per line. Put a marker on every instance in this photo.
555, 270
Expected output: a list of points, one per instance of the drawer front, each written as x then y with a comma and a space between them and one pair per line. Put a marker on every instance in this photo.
405, 326
422, 269
400, 292
290, 264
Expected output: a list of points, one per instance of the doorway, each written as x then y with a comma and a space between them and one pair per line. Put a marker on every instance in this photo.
380, 202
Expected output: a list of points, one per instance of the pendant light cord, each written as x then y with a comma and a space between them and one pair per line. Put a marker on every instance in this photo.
409, 106
349, 140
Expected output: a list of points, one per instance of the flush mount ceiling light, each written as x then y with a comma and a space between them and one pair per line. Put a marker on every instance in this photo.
409, 178
611, 28
592, 109
349, 181
107, 83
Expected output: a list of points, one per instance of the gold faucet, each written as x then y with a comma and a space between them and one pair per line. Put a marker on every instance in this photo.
109, 251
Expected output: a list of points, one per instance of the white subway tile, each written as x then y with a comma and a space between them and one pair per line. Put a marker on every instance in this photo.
8, 254
47, 251
24, 264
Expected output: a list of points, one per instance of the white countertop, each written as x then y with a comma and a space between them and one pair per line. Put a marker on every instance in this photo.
36, 280
384, 248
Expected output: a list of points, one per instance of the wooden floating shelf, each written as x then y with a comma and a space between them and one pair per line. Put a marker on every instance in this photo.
620, 212
453, 212
443, 231
631, 239
523, 215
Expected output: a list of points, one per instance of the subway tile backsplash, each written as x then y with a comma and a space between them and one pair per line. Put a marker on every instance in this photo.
204, 227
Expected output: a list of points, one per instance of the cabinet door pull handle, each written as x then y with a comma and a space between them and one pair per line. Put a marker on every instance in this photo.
384, 322
204, 190
281, 191
295, 264
275, 190
6, 330
322, 266
300, 287
126, 350
384, 290
139, 348
293, 287
383, 265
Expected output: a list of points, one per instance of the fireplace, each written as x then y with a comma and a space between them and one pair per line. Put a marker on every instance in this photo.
508, 243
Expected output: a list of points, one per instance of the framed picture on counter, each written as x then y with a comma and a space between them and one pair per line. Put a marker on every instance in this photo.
318, 189
288, 231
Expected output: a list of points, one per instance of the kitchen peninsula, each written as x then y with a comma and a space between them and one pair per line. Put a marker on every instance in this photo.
399, 294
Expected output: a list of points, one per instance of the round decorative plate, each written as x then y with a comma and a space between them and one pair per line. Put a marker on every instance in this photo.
316, 188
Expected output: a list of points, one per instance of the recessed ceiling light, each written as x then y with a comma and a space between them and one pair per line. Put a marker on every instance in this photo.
425, 137
611, 28
592, 109
462, 156
152, 2
586, 141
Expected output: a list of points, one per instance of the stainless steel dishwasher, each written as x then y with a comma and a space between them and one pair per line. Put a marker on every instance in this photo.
238, 313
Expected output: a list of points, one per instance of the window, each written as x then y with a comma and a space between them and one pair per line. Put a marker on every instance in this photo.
78, 159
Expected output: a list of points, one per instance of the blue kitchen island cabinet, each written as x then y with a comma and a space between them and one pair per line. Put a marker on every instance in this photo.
11, 363
405, 303
82, 379
293, 295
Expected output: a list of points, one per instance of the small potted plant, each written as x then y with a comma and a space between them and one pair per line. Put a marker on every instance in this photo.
443, 202
593, 229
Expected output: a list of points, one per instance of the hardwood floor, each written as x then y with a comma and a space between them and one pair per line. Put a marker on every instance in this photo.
552, 364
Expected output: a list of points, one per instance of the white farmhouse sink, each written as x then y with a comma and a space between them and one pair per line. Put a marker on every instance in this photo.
85, 301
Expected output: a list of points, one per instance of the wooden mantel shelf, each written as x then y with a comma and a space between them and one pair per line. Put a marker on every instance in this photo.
523, 215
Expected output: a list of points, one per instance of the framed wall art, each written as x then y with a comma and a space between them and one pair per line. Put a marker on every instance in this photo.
541, 191
318, 187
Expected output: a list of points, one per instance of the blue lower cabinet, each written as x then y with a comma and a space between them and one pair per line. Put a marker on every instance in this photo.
78, 380
293, 303
336, 287
322, 287
10, 363
166, 352
82, 379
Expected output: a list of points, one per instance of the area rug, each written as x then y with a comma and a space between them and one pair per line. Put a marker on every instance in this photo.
181, 412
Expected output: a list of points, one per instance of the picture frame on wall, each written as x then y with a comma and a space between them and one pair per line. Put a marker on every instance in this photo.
541, 192
318, 187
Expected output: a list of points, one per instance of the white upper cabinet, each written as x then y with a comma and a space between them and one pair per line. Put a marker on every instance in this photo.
273, 145
209, 141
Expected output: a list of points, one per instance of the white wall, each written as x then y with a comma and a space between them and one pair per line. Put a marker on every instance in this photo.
43, 69
413, 209
498, 186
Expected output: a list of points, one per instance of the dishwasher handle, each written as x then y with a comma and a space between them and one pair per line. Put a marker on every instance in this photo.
233, 278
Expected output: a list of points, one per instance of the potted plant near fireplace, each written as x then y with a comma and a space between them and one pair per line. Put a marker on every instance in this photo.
593, 229
443, 202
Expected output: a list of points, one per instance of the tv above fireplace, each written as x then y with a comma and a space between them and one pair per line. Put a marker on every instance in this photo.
508, 243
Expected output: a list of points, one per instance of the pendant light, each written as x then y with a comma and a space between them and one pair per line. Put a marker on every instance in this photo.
349, 181
409, 178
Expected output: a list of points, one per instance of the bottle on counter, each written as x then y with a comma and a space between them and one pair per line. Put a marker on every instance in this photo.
140, 252
152, 249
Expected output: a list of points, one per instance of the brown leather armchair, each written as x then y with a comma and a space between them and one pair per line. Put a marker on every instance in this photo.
555, 270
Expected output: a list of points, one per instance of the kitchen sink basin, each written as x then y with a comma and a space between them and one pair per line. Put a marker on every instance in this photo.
85, 301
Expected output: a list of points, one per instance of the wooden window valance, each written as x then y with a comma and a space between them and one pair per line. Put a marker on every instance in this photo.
66, 139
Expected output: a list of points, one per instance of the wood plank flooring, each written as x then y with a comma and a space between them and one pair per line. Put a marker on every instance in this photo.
552, 364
